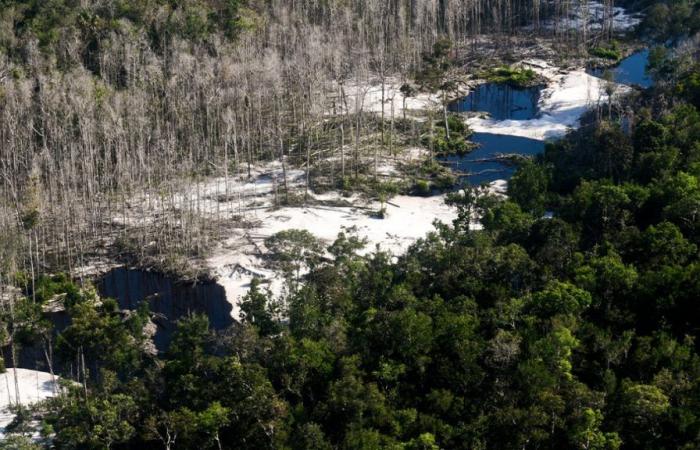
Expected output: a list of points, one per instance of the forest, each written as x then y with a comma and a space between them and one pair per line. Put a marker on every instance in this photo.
556, 308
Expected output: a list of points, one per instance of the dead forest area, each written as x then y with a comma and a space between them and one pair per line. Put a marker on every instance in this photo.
107, 101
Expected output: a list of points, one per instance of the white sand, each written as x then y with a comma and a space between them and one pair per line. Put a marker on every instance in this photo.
566, 98
498, 187
34, 386
408, 218
367, 97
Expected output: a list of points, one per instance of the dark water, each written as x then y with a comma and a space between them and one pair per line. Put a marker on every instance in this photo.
631, 70
500, 101
30, 354
490, 146
168, 299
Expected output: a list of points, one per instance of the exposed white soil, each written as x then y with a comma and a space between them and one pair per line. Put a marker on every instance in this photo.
498, 187
241, 257
568, 95
368, 97
33, 385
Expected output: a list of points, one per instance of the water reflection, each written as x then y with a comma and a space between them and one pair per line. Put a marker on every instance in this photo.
630, 71
168, 299
500, 101
483, 165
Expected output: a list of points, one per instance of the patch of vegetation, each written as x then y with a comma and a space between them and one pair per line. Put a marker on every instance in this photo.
612, 51
385, 190
405, 126
292, 251
289, 199
442, 145
446, 180
371, 187
46, 288
688, 86
51, 22
454, 143
431, 176
422, 187
517, 77
669, 20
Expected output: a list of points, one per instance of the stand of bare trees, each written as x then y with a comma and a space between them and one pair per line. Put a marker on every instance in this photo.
78, 139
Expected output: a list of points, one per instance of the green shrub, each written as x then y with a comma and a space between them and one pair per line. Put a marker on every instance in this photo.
517, 77
346, 184
455, 145
457, 142
45, 288
611, 51
456, 124
422, 187
688, 86
445, 181
17, 73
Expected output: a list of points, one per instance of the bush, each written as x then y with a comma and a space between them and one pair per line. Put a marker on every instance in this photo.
47, 287
457, 125
456, 144
612, 51
346, 184
422, 187
688, 86
517, 77
445, 181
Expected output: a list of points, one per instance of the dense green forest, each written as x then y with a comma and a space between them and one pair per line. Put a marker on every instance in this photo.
569, 321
